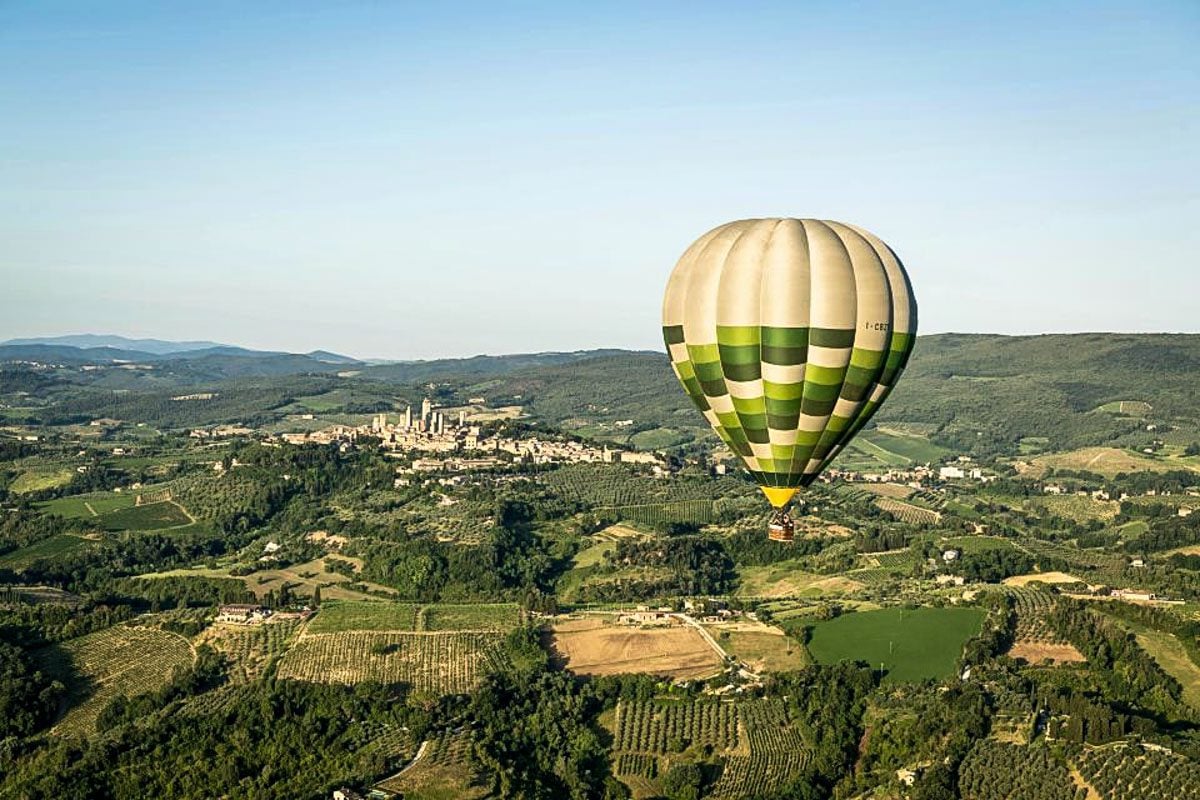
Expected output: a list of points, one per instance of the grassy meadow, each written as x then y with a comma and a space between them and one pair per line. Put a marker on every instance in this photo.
911, 644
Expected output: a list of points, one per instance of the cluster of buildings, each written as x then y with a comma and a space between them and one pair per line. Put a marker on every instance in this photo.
430, 430
250, 614
919, 476
915, 477
243, 614
221, 432
449, 439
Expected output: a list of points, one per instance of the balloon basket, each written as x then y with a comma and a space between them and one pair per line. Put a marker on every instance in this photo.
780, 528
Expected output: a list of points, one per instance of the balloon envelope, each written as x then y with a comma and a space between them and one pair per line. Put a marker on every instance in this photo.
788, 334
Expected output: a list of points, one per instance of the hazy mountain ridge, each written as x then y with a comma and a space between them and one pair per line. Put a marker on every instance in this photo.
89, 341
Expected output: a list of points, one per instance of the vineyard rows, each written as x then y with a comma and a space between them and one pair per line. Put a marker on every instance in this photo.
895, 558
698, 512
446, 663
1075, 555
1032, 605
908, 513
445, 753
761, 748
639, 765
500, 617
769, 732
1135, 773
744, 776
120, 660
854, 493
872, 577
646, 726
251, 649
353, 615
935, 499
447, 749
390, 741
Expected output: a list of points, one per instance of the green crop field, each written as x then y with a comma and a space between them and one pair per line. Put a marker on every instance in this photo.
871, 455
893, 449
911, 644
149, 517
53, 547
350, 615
88, 506
118, 512
916, 449
32, 480
976, 544
473, 617
354, 615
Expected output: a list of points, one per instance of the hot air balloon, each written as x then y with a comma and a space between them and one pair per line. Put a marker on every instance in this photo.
788, 334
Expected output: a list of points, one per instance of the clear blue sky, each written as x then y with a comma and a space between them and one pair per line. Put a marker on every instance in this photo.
453, 178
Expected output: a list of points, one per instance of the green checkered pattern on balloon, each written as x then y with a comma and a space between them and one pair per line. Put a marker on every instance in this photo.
773, 416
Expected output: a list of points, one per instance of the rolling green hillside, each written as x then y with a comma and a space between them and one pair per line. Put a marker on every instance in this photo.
974, 393
982, 394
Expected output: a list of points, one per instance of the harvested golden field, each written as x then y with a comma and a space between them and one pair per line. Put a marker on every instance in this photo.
1106, 461
1040, 577
1037, 652
599, 647
787, 579
893, 490
763, 648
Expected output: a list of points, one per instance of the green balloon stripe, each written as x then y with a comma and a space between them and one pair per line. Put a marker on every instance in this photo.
787, 397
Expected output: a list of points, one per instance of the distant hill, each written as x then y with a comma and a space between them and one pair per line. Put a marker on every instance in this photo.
970, 393
183, 367
88, 341
982, 394
480, 366
331, 358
